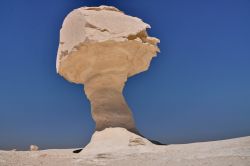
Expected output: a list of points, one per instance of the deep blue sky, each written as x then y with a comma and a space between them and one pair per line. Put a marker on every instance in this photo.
197, 89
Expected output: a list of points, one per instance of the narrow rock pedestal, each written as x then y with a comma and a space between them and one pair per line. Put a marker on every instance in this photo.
108, 106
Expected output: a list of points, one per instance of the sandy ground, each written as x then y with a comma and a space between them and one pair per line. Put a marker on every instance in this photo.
118, 147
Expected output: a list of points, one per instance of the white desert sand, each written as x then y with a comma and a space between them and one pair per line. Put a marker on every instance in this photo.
119, 147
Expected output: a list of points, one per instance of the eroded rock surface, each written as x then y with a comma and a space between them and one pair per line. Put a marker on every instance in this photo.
117, 140
101, 47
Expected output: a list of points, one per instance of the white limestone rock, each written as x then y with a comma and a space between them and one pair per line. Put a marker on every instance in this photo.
34, 148
101, 47
117, 141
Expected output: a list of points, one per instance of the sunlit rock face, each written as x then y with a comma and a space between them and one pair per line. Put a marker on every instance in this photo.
101, 47
117, 141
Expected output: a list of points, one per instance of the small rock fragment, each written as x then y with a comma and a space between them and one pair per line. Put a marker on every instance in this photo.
34, 148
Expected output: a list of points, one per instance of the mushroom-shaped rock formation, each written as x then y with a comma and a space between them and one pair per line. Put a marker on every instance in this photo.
101, 47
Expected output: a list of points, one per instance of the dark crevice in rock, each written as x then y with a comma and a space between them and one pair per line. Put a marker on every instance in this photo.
77, 151
88, 25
